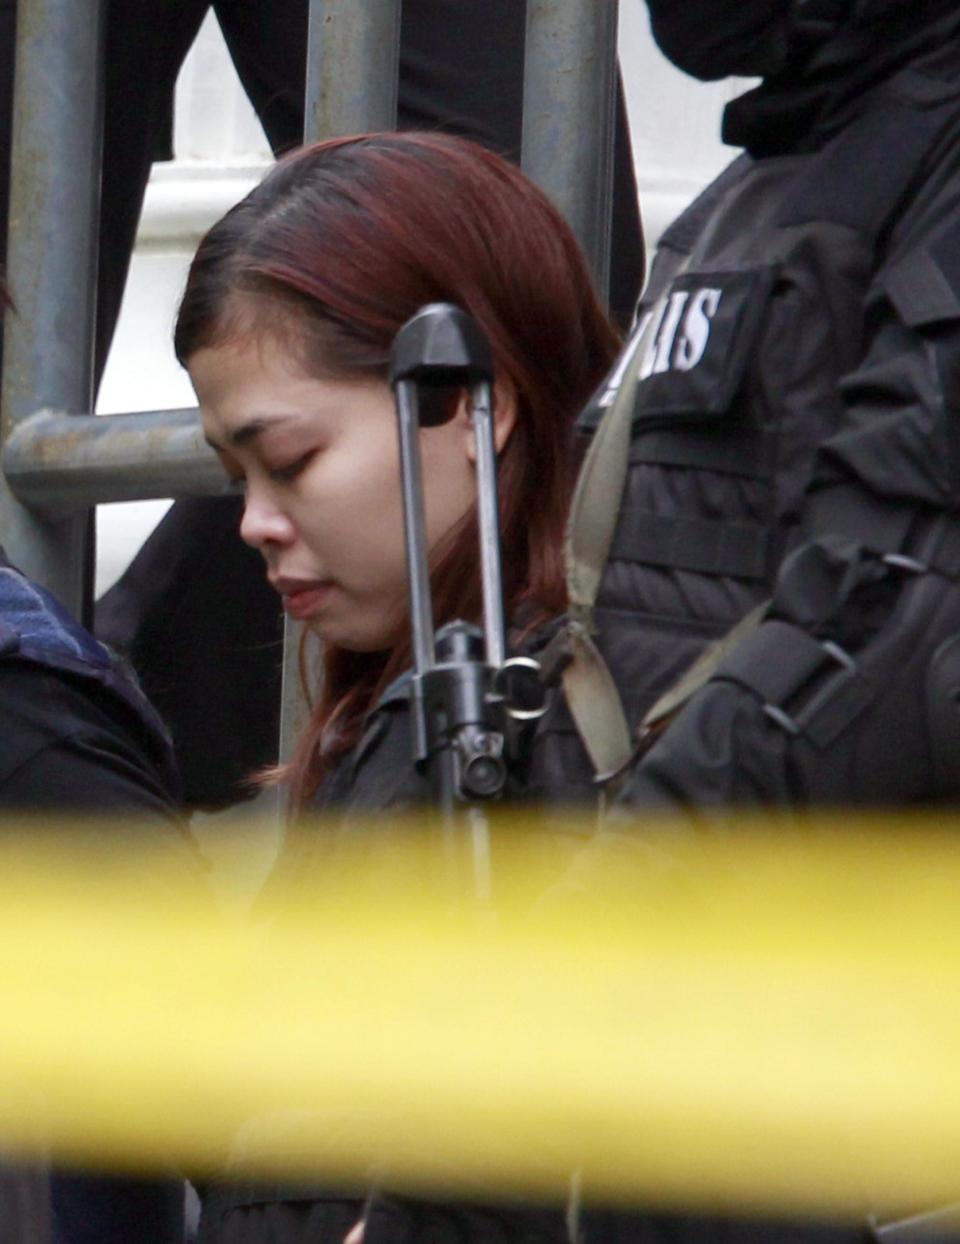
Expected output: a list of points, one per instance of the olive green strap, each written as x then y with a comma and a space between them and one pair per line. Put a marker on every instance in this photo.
591, 694
703, 669
596, 499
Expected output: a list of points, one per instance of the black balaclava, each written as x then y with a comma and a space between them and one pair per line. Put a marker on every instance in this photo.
817, 58
718, 38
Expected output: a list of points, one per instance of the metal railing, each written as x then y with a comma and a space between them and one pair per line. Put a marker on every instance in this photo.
51, 262
58, 460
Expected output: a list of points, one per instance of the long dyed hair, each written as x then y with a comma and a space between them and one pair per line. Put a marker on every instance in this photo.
339, 245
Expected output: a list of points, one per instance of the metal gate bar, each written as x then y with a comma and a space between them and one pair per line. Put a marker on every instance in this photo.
569, 93
57, 464
52, 259
352, 61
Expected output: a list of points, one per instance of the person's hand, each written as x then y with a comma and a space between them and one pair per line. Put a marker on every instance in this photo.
355, 1234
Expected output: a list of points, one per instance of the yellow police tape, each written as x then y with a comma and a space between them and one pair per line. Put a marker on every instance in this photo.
755, 1020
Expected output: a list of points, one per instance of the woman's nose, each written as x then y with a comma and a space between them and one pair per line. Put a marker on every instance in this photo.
264, 524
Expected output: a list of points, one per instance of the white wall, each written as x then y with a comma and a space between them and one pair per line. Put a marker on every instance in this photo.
221, 152
674, 123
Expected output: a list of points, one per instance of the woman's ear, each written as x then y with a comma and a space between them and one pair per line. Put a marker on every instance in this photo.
504, 417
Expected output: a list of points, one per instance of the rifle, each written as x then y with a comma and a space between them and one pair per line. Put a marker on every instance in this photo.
467, 696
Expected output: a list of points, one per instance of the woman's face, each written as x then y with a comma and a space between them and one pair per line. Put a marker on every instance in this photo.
320, 465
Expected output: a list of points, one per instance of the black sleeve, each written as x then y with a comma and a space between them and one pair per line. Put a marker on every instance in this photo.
70, 746
85, 773
94, 1209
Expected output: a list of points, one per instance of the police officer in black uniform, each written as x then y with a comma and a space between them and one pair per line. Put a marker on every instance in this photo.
795, 438
796, 431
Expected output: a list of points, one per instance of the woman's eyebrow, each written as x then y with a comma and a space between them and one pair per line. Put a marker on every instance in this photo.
250, 430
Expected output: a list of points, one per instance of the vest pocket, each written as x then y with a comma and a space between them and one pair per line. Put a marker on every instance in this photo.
705, 329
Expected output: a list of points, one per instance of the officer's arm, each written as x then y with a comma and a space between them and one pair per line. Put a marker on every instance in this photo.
88, 775
71, 755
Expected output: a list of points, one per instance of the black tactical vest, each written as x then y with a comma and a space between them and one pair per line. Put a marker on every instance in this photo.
755, 310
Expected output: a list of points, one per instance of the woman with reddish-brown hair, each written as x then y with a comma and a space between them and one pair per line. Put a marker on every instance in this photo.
290, 309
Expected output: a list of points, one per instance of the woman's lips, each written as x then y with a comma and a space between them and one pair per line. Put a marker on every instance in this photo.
302, 602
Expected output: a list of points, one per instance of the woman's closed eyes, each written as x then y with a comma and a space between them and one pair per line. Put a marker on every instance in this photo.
290, 471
